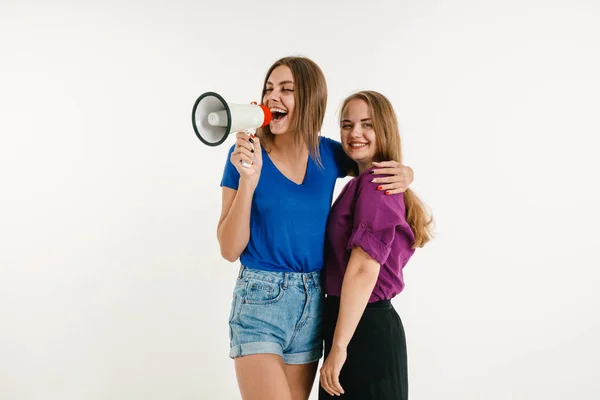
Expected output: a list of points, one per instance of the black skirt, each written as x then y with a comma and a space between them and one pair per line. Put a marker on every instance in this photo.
376, 364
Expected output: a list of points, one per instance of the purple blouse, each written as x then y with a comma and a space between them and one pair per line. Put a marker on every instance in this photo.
364, 217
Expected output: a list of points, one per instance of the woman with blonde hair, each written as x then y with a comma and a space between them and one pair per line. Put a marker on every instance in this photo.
369, 240
273, 219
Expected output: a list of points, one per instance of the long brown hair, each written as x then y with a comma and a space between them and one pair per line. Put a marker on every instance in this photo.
387, 134
310, 97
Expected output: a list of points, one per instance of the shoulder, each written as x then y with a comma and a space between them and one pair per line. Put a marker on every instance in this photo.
230, 174
367, 192
329, 144
228, 164
332, 151
231, 149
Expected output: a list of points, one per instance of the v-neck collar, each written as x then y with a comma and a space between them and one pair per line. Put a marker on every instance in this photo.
306, 172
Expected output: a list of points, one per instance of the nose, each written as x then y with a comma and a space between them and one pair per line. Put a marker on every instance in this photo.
356, 131
272, 96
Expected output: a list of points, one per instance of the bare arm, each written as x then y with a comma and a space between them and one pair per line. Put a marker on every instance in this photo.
233, 231
359, 280
376, 220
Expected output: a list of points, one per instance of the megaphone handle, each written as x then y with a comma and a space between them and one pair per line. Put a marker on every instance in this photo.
248, 132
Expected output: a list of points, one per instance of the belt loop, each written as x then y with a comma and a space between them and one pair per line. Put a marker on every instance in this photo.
285, 279
240, 273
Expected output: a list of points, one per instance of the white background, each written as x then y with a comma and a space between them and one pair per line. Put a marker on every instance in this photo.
111, 282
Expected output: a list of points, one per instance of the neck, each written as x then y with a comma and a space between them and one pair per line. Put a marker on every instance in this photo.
364, 165
287, 146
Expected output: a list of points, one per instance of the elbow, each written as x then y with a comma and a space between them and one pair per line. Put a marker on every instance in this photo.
231, 247
229, 255
226, 251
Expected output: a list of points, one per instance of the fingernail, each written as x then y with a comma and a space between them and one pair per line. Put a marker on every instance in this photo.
250, 140
379, 187
372, 171
387, 192
252, 162
252, 136
252, 150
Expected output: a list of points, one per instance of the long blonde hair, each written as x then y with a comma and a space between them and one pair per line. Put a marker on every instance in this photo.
387, 134
310, 97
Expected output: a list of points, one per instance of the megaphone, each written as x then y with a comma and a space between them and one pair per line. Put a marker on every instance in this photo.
214, 119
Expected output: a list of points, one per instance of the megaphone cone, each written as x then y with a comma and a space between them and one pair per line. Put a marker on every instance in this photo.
214, 119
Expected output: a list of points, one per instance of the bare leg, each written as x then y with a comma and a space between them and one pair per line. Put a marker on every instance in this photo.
300, 379
262, 377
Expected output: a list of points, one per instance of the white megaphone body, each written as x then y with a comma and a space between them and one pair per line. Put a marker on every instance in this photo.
214, 119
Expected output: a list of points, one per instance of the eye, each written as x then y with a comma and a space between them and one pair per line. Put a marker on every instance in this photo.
367, 125
346, 126
288, 90
267, 90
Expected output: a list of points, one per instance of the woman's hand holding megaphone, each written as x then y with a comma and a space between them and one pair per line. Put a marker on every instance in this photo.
248, 150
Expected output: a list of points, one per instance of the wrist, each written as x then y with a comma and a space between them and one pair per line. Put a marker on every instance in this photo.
339, 346
247, 183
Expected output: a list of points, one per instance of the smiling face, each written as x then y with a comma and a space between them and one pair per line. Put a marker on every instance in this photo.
358, 136
279, 98
295, 89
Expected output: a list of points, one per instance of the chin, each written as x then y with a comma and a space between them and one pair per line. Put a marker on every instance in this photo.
356, 156
365, 160
279, 130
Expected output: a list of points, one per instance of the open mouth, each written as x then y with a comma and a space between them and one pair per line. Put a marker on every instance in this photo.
278, 114
357, 145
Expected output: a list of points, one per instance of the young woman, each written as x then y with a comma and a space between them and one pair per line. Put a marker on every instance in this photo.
369, 239
273, 218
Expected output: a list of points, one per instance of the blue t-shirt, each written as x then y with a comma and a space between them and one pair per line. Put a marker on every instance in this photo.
287, 220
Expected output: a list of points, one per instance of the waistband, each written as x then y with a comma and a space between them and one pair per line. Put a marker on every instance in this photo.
334, 301
285, 278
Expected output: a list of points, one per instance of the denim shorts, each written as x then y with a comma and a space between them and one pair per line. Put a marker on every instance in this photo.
277, 313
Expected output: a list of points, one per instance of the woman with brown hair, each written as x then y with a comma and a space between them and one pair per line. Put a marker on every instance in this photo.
369, 240
273, 218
